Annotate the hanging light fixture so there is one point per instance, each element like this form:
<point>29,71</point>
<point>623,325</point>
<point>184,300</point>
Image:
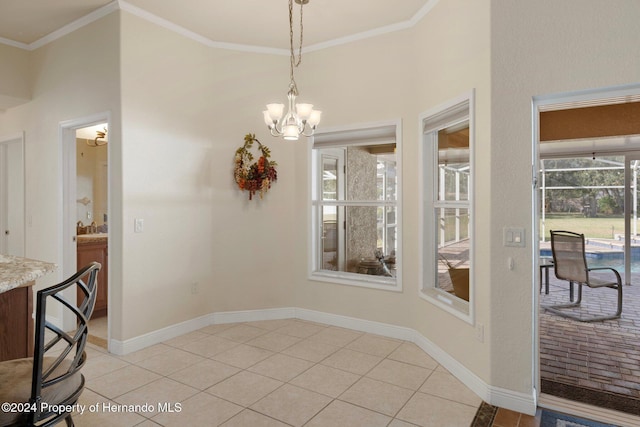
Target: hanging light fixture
<point>96,142</point>
<point>301,119</point>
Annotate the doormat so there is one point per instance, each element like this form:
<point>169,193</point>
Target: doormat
<point>600,398</point>
<point>555,419</point>
<point>485,415</point>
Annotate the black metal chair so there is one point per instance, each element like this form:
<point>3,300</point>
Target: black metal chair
<point>570,264</point>
<point>42,389</point>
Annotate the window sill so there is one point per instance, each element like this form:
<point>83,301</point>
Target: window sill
<point>361,280</point>
<point>449,303</point>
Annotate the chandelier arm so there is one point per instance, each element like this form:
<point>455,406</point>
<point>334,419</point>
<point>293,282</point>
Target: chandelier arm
<point>275,132</point>
<point>310,132</point>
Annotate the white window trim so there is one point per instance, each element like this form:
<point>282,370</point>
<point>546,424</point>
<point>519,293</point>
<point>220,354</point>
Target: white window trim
<point>430,120</point>
<point>368,132</point>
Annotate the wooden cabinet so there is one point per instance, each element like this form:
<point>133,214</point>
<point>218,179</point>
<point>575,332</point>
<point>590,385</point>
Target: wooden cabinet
<point>16,323</point>
<point>96,250</point>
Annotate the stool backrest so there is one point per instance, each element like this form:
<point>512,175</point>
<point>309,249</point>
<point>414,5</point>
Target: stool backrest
<point>60,358</point>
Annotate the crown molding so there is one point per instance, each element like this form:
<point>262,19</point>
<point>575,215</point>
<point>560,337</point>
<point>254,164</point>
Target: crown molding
<point>150,17</point>
<point>75,25</point>
<point>147,16</point>
<point>14,43</point>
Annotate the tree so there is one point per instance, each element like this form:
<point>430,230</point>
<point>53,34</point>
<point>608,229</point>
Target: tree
<point>579,176</point>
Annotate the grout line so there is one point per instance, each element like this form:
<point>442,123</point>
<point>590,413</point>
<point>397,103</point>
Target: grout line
<point>288,382</point>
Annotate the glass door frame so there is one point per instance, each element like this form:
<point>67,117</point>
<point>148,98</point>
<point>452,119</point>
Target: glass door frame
<point>630,208</point>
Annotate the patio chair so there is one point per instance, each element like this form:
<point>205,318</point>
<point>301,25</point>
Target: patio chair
<point>568,249</point>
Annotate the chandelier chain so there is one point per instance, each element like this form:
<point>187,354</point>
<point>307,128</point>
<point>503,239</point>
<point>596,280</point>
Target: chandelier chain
<point>294,62</point>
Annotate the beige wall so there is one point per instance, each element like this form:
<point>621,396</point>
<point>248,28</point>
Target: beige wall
<point>14,81</point>
<point>398,76</point>
<point>75,76</point>
<point>538,48</point>
<point>185,108</point>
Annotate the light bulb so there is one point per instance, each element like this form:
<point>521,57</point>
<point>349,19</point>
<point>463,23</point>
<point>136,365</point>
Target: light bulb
<point>275,111</point>
<point>314,118</point>
<point>267,118</point>
<point>290,132</point>
<point>304,111</point>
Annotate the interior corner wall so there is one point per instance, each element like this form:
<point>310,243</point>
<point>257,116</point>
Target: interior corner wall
<point>14,80</point>
<point>539,48</point>
<point>398,76</point>
<point>72,77</point>
<point>205,246</point>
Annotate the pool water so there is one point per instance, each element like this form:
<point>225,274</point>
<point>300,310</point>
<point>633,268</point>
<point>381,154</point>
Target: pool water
<point>612,260</point>
<point>617,264</point>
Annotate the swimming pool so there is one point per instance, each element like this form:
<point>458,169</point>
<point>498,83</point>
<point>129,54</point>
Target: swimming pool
<point>606,259</point>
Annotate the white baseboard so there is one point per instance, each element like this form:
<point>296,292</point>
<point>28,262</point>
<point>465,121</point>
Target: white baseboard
<point>138,343</point>
<point>515,401</point>
<point>503,398</point>
<point>254,315</point>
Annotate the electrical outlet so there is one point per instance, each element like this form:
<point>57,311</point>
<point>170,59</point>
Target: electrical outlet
<point>138,225</point>
<point>194,288</point>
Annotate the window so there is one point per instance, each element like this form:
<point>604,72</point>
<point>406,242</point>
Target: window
<point>447,146</point>
<point>355,188</point>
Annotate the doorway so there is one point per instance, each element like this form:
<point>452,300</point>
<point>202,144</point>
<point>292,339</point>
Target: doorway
<point>85,144</point>
<point>12,200</point>
<point>587,182</point>
<point>92,229</point>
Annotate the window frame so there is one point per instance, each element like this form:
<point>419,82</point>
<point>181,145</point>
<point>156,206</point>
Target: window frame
<point>362,134</point>
<point>445,115</point>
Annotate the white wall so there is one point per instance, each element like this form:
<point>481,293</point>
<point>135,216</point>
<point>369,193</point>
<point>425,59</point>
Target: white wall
<point>75,76</point>
<point>14,81</point>
<point>186,109</point>
<point>399,75</point>
<point>539,48</point>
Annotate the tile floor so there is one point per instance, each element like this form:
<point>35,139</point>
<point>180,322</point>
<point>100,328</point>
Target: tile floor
<point>275,373</point>
<point>507,418</point>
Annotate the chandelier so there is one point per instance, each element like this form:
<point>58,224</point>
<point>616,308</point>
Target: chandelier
<point>301,119</point>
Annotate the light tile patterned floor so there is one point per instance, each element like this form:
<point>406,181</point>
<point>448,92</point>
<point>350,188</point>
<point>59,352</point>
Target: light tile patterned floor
<point>275,373</point>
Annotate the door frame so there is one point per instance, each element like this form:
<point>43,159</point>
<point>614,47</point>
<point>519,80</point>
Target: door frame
<point>4,141</point>
<point>629,206</point>
<point>68,247</point>
<point>567,100</point>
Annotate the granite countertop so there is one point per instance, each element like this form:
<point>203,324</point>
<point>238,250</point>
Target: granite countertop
<point>16,271</point>
<point>92,238</point>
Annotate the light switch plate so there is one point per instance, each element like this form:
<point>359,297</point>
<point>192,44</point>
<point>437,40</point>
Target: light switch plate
<point>138,225</point>
<point>514,236</point>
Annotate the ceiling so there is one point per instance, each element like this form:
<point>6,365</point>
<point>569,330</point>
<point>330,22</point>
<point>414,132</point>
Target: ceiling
<point>257,23</point>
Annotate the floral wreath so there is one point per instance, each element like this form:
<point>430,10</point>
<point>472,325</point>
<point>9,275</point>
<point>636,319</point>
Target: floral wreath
<point>257,176</point>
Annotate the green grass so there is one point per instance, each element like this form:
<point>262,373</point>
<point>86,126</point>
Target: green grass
<point>604,228</point>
